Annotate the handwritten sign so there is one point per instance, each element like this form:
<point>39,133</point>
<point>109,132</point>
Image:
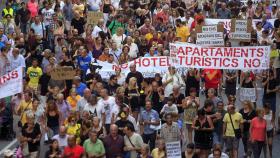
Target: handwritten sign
<point>240,30</point>
<point>63,73</point>
<point>247,94</point>
<point>209,35</point>
<point>93,17</point>
<point>173,150</point>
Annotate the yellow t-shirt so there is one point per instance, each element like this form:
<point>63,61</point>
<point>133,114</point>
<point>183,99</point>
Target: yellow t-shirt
<point>149,36</point>
<point>274,53</point>
<point>157,154</point>
<point>23,108</point>
<point>72,102</point>
<point>236,120</point>
<point>183,32</point>
<point>34,75</point>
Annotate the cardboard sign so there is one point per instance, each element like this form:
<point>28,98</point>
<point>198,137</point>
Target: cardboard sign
<point>93,17</point>
<point>63,73</point>
<point>241,30</point>
<point>11,83</point>
<point>238,58</point>
<point>173,149</point>
<point>210,35</point>
<point>247,94</point>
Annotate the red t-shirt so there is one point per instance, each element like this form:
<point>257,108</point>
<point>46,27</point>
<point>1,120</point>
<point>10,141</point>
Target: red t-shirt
<point>258,129</point>
<point>74,152</point>
<point>212,78</point>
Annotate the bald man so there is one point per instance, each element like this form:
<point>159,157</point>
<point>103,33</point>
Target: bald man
<point>73,150</point>
<point>62,138</point>
<point>113,143</point>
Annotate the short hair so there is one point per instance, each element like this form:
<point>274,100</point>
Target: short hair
<point>112,77</point>
<point>129,127</point>
<point>208,103</point>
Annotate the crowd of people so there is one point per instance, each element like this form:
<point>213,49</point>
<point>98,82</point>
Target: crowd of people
<point>131,115</point>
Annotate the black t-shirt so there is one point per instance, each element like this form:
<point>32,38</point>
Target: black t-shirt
<point>271,85</point>
<point>44,81</point>
<point>22,15</point>
<point>49,153</point>
<point>135,97</point>
<point>78,24</point>
<point>121,124</point>
<point>277,23</point>
<point>157,103</point>
<point>33,135</point>
<point>137,75</point>
<point>247,116</point>
<point>178,100</point>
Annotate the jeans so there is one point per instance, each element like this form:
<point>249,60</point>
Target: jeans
<point>257,148</point>
<point>218,139</point>
<point>151,139</point>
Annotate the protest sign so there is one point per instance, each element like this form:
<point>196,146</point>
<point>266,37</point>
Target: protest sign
<point>209,35</point>
<point>241,30</point>
<point>63,73</point>
<point>11,83</point>
<point>93,17</point>
<point>148,66</point>
<point>247,94</point>
<point>191,55</point>
<point>227,22</point>
<point>173,149</point>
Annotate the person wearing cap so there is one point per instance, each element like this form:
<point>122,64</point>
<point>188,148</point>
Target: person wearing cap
<point>232,122</point>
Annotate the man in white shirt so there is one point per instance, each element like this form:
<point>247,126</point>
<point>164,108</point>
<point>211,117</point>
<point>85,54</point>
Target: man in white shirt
<point>84,100</point>
<point>115,51</point>
<point>133,48</point>
<point>98,28</point>
<point>187,19</point>
<point>39,27</point>
<point>61,138</point>
<point>94,5</point>
<point>47,13</point>
<point>109,109</point>
<point>16,59</point>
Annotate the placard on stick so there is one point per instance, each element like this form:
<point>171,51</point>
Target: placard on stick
<point>93,17</point>
<point>210,35</point>
<point>241,30</point>
<point>63,73</point>
<point>173,149</point>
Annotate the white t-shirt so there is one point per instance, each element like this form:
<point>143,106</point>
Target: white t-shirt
<point>109,107</point>
<point>177,80</point>
<point>47,14</point>
<point>94,110</point>
<point>16,62</point>
<point>94,5</point>
<point>61,141</point>
<point>39,29</point>
<point>133,50</point>
<point>118,40</point>
<point>268,118</point>
<point>169,109</point>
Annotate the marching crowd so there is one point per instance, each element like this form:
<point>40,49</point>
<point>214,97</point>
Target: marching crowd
<point>131,115</point>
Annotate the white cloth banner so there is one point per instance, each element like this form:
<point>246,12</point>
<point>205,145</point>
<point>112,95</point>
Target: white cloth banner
<point>227,22</point>
<point>195,56</point>
<point>173,149</point>
<point>247,94</point>
<point>148,66</point>
<point>11,83</point>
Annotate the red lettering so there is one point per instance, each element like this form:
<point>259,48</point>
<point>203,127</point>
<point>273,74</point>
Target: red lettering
<point>204,52</point>
<point>188,50</point>
<point>247,63</point>
<point>154,61</point>
<point>14,74</point>
<point>237,52</point>
<point>244,52</point>
<point>234,62</point>
<point>253,51</point>
<point>162,62</point>
<point>219,52</point>
<point>196,61</point>
<point>260,52</point>
<point>224,62</point>
<point>147,63</point>
<point>228,51</point>
<point>138,62</point>
<point>196,52</point>
<point>207,62</point>
<point>116,67</point>
<point>215,61</point>
<point>256,62</point>
<point>180,51</point>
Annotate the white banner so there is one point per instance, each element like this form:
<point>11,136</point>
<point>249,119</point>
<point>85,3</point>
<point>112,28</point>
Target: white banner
<point>195,56</point>
<point>173,149</point>
<point>247,94</point>
<point>210,39</point>
<point>11,83</point>
<point>148,66</point>
<point>227,22</point>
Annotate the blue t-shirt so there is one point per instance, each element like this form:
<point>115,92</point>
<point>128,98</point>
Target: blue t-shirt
<point>84,62</point>
<point>80,89</point>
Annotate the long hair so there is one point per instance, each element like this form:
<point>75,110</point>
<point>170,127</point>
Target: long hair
<point>130,84</point>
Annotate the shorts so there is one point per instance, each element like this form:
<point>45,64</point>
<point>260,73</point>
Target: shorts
<point>231,143</point>
<point>269,133</point>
